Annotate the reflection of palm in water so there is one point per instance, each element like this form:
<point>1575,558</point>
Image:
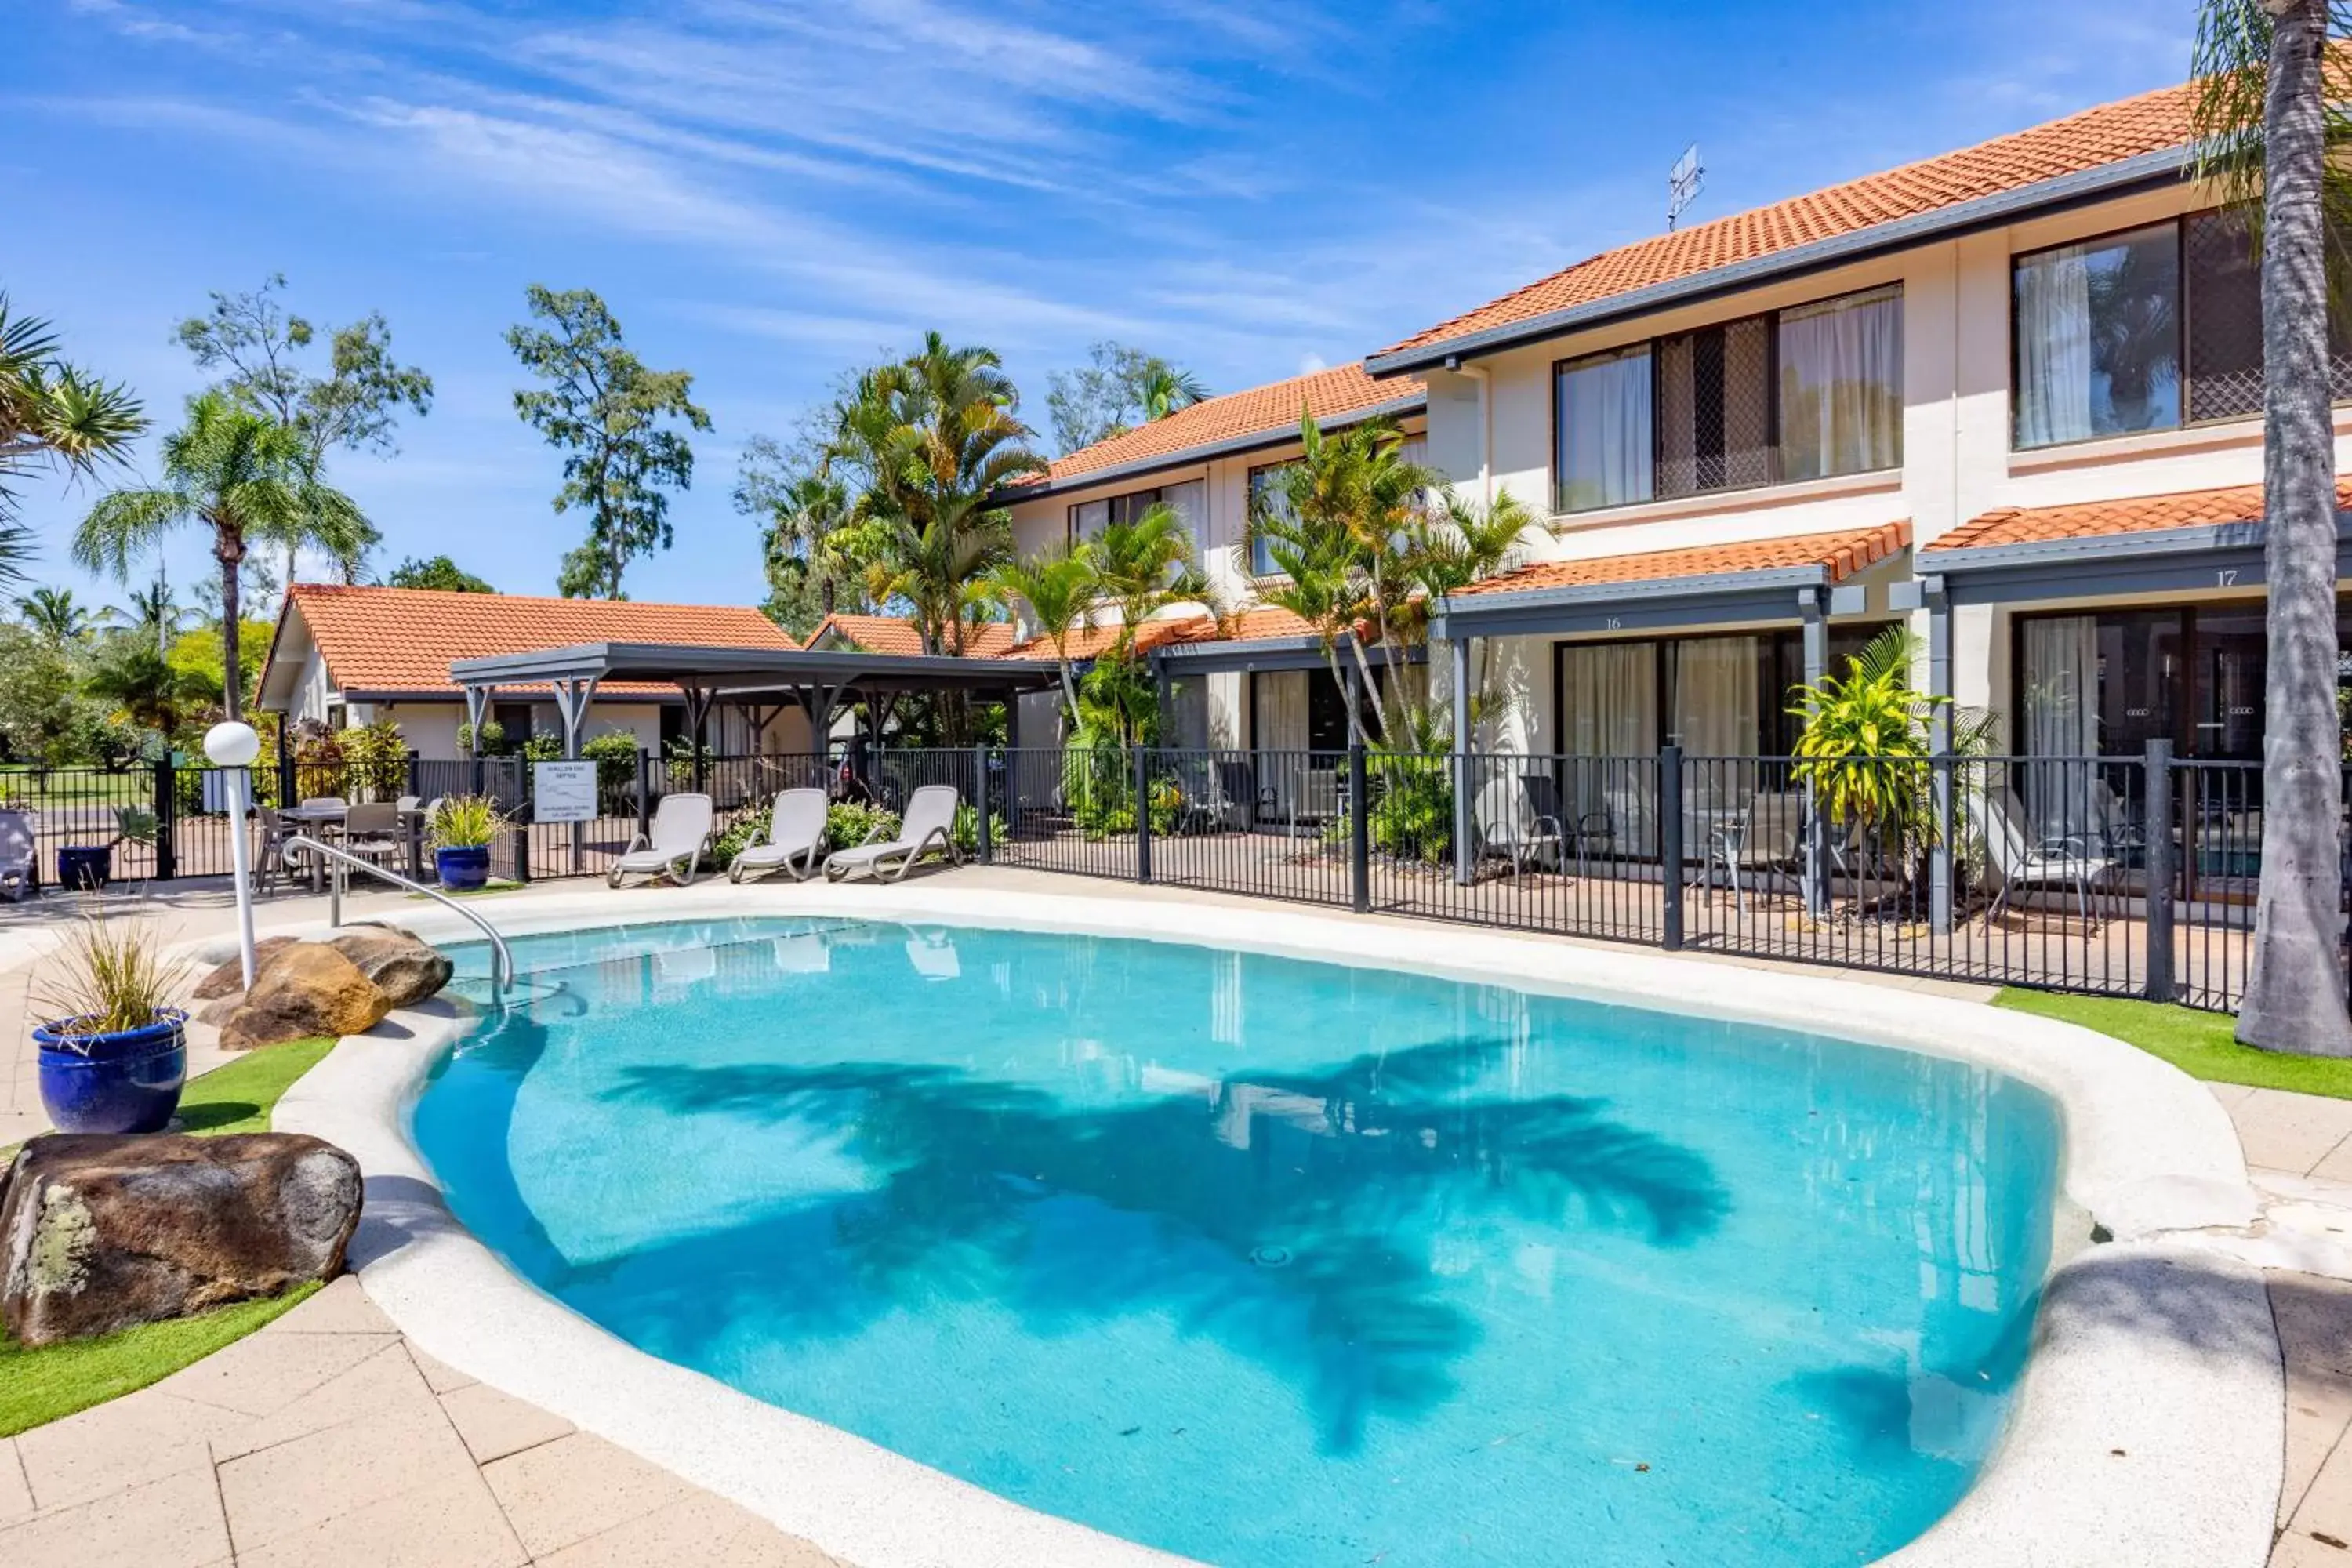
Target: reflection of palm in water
<point>1065,1211</point>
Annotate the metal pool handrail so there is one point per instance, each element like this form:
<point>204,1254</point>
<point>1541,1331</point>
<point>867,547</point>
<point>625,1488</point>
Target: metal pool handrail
<point>502,961</point>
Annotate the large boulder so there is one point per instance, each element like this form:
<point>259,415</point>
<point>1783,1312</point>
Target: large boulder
<point>307,989</point>
<point>99,1233</point>
<point>229,979</point>
<point>403,968</point>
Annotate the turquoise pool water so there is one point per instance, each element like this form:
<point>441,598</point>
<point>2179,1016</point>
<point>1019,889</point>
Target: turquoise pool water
<point>1272,1263</point>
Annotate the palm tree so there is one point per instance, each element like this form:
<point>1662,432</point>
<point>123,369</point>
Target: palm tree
<point>1163,389</point>
<point>1055,591</point>
<point>148,689</point>
<point>53,613</point>
<point>2265,123</point>
<point>1141,565</point>
<point>51,413</point>
<point>802,539</point>
<point>240,474</point>
<point>150,610</point>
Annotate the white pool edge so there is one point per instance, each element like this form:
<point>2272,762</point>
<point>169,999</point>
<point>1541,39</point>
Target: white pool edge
<point>2149,1429</point>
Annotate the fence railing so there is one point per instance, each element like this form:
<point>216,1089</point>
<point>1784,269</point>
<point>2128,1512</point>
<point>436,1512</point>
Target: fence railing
<point>2130,875</point>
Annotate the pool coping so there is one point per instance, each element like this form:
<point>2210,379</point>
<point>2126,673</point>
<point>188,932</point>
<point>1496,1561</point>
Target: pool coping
<point>2149,1429</point>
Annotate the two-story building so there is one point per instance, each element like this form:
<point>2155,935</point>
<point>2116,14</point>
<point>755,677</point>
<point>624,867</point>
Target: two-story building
<point>2012,392</point>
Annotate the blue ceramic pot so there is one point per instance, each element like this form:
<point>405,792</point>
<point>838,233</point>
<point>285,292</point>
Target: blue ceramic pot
<point>126,1081</point>
<point>463,868</point>
<point>85,866</point>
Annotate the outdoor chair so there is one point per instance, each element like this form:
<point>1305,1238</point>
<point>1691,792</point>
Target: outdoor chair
<point>323,802</point>
<point>1207,806</point>
<point>2022,865</point>
<point>372,833</point>
<point>1510,826</point>
<point>928,824</point>
<point>1237,780</point>
<point>680,836</point>
<point>795,838</point>
<point>272,861</point>
<point>1772,840</point>
<point>19,875</point>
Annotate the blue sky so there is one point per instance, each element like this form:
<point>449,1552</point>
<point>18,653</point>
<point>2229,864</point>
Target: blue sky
<point>766,192</point>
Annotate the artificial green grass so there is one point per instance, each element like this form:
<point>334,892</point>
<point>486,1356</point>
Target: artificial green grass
<point>2200,1044</point>
<point>41,1385</point>
<point>37,1386</point>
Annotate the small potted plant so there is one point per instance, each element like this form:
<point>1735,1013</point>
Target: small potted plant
<point>463,831</point>
<point>115,1052</point>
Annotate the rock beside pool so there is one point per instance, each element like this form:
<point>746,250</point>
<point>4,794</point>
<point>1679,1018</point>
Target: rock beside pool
<point>229,978</point>
<point>101,1232</point>
<point>305,990</point>
<point>405,970</point>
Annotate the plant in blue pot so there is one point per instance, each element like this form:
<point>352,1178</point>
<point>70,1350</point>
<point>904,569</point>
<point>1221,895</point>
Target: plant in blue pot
<point>114,1050</point>
<point>463,828</point>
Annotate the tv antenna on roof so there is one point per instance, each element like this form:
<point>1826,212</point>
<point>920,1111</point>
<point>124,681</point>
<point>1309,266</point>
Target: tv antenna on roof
<point>1683,183</point>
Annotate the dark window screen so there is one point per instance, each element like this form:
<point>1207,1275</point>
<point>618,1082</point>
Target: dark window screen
<point>1715,408</point>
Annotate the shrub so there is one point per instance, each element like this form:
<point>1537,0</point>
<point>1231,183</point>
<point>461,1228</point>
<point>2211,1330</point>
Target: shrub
<point>847,823</point>
<point>493,736</point>
<point>375,761</point>
<point>967,829</point>
<point>466,822</point>
<point>614,752</point>
<point>543,747</point>
<point>1412,812</point>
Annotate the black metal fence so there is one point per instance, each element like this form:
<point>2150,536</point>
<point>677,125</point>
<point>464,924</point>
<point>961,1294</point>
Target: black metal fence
<point>2119,875</point>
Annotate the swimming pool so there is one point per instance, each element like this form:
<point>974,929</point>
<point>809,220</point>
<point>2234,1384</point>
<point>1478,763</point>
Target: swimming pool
<point>1266,1262</point>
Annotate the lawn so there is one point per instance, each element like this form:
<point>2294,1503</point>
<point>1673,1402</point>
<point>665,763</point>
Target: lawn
<point>41,1385</point>
<point>2198,1043</point>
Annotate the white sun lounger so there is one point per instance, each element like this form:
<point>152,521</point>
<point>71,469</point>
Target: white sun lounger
<point>681,833</point>
<point>929,823</point>
<point>17,855</point>
<point>795,838</point>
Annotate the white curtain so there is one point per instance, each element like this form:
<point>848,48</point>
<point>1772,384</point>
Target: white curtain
<point>1715,696</point>
<point>1281,718</point>
<point>1087,518</point>
<point>2062,687</point>
<point>1607,452</point>
<point>2053,347</point>
<point>1190,501</point>
<point>1609,709</point>
<point>1842,386</point>
<point>1188,721</point>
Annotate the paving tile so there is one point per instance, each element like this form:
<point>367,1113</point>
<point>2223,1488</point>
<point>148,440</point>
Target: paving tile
<point>2336,1166</point>
<point>263,1374</point>
<point>703,1529</point>
<point>2298,1551</point>
<point>174,1522</point>
<point>2314,1328</point>
<point>343,1308</point>
<point>452,1521</point>
<point>300,1484</point>
<point>576,1487</point>
<point>382,1387</point>
<point>16,1492</point>
<point>2290,1131</point>
<point>495,1424</point>
<point>140,1437</point>
<point>2230,1093</point>
<point>2326,1506</point>
<point>439,1376</point>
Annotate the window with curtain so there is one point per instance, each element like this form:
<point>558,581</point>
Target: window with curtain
<point>1609,709</point>
<point>1089,517</point>
<point>2062,686</point>
<point>1279,710</point>
<point>1266,494</point>
<point>1606,449</point>
<point>1716,683</point>
<point>2098,338</point>
<point>1842,386</point>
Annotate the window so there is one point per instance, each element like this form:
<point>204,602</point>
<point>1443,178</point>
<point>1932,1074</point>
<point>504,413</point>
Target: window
<point>1089,517</point>
<point>1265,498</point>
<point>1790,394</point>
<point>2098,338</point>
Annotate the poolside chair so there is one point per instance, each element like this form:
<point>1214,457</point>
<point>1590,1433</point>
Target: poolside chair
<point>18,858</point>
<point>680,838</point>
<point>1773,840</point>
<point>2020,864</point>
<point>795,838</point>
<point>928,824</point>
<point>372,833</point>
<point>1510,824</point>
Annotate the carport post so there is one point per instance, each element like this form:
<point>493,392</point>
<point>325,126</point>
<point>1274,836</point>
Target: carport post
<point>1465,852</point>
<point>1816,839</point>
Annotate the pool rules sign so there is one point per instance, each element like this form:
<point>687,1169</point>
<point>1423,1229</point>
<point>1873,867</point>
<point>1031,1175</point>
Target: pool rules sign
<point>564,792</point>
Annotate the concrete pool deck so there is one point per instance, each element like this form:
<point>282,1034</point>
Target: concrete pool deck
<point>2314,1317</point>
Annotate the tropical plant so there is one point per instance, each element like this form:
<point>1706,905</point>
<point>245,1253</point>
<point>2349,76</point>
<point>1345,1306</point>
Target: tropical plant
<point>53,613</point>
<point>2268,118</point>
<point>804,512</point>
<point>489,732</point>
<point>543,746</point>
<point>614,752</point>
<point>436,572</point>
<point>609,413</point>
<point>354,408</point>
<point>1117,388</point>
<point>1054,592</point>
<point>466,822</point>
<point>236,473</point>
<point>148,689</point>
<point>375,759</point>
<point>106,978</point>
<point>849,823</point>
<point>53,415</point>
<point>152,611</point>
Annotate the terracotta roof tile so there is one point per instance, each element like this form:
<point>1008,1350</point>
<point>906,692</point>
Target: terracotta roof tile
<point>1843,553</point>
<point>2137,515</point>
<point>2110,134</point>
<point>404,639</point>
<point>897,635</point>
<point>1251,625</point>
<point>1256,411</point>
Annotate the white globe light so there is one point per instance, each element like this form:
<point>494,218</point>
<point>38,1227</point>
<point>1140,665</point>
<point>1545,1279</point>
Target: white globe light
<point>232,746</point>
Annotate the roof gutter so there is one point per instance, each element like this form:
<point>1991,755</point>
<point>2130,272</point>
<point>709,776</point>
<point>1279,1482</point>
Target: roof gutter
<point>2125,176</point>
<point>1253,441</point>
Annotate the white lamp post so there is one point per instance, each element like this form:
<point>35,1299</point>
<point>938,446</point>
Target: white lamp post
<point>234,746</point>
